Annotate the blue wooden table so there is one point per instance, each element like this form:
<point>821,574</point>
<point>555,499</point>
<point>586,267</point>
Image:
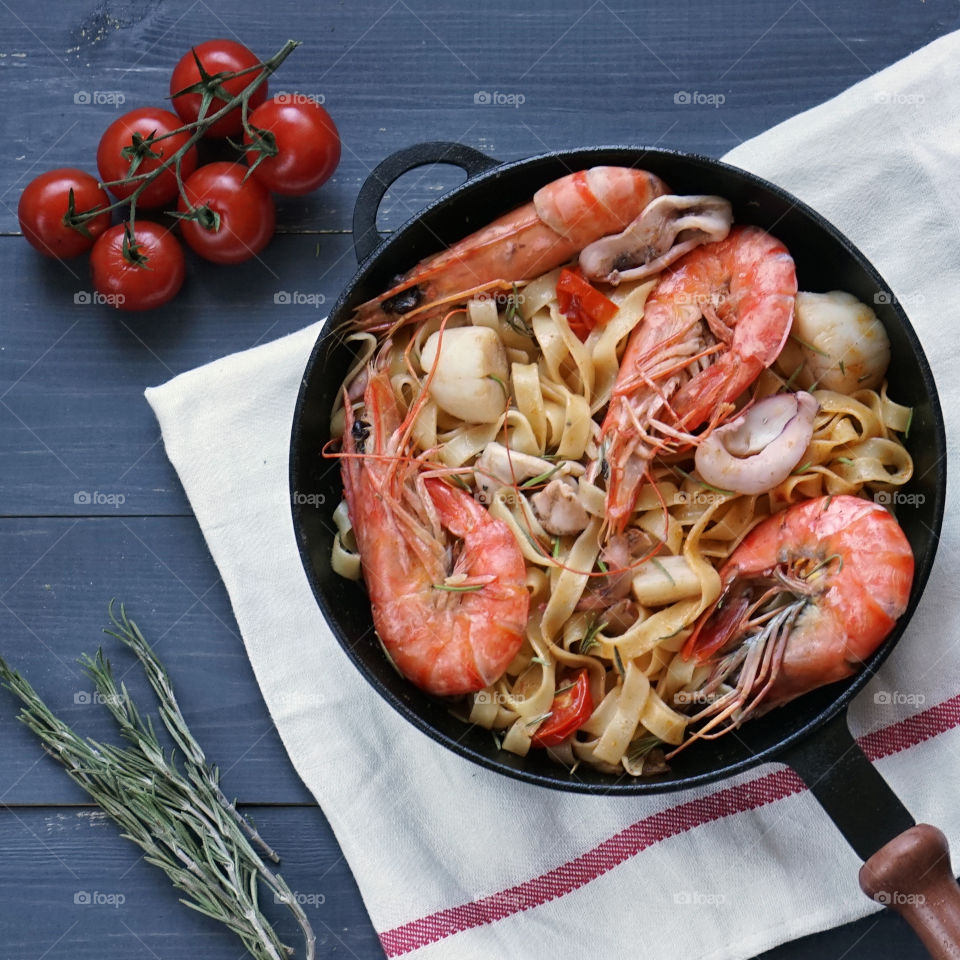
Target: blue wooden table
<point>73,422</point>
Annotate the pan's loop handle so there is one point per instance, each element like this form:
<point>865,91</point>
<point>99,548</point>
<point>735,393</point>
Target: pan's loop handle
<point>911,874</point>
<point>365,235</point>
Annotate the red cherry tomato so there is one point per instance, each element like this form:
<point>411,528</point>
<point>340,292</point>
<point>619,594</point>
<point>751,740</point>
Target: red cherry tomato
<point>142,277</point>
<point>569,712</point>
<point>236,213</point>
<point>119,148</point>
<point>217,56</point>
<point>306,141</point>
<point>584,306</point>
<point>44,205</point>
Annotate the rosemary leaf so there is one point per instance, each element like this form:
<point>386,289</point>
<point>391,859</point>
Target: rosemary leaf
<point>619,662</point>
<point>172,808</point>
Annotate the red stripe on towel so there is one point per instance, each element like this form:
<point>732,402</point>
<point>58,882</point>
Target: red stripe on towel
<point>645,833</point>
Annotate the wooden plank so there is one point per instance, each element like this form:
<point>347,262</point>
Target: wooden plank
<point>72,413</point>
<point>73,887</point>
<point>56,856</point>
<point>58,576</point>
<point>393,73</point>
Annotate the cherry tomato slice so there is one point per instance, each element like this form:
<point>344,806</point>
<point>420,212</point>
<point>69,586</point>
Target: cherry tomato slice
<point>584,306</point>
<point>569,713</point>
<point>44,205</point>
<point>216,56</point>
<point>140,279</point>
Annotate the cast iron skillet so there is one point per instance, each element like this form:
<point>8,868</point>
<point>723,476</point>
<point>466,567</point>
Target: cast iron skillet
<point>810,734</point>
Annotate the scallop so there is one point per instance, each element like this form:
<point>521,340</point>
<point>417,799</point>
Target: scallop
<point>470,375</point>
<point>836,342</point>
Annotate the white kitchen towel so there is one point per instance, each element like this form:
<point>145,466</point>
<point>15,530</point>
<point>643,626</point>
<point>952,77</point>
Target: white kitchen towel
<point>454,861</point>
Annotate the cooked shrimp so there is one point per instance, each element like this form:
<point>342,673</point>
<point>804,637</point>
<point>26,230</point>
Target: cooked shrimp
<point>807,597</point>
<point>710,326</point>
<point>563,218</point>
<point>447,581</point>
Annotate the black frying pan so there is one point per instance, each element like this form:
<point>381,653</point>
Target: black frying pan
<point>810,734</point>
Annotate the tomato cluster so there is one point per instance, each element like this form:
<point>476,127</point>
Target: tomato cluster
<point>148,159</point>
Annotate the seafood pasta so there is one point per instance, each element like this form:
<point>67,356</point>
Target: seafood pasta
<point>611,481</point>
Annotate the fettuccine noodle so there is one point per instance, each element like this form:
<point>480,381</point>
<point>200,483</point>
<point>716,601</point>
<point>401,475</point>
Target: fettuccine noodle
<point>556,385</point>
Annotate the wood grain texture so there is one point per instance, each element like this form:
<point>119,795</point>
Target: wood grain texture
<point>73,887</point>
<point>72,416</point>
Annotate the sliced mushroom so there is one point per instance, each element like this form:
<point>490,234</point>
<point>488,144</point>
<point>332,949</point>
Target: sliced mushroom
<point>559,510</point>
<point>669,227</point>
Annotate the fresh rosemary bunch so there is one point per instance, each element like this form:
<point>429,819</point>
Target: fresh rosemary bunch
<point>173,808</point>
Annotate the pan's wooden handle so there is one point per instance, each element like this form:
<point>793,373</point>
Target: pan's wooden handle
<point>911,874</point>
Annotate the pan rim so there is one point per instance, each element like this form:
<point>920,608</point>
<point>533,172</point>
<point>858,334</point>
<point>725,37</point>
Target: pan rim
<point>623,785</point>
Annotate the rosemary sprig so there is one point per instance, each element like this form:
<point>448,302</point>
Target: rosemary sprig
<point>513,318</point>
<point>590,640</point>
<point>540,477</point>
<point>172,808</point>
